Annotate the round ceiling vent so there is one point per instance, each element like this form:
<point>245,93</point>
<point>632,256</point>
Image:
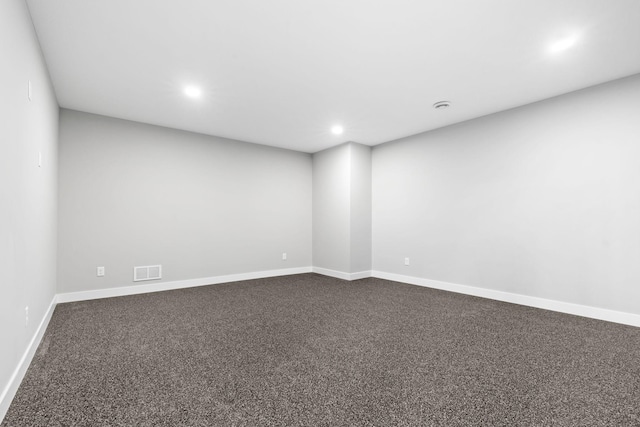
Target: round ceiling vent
<point>442,105</point>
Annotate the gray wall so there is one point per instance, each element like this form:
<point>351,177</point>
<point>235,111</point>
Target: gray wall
<point>360,208</point>
<point>342,208</point>
<point>542,200</point>
<point>331,209</point>
<point>135,194</point>
<point>27,192</point>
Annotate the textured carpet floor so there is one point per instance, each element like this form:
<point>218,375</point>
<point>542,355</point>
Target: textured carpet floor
<point>309,350</point>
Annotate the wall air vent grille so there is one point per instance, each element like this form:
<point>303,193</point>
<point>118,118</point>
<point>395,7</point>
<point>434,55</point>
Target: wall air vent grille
<point>147,272</point>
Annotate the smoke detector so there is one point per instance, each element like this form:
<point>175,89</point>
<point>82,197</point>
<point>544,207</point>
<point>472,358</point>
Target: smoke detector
<point>442,105</point>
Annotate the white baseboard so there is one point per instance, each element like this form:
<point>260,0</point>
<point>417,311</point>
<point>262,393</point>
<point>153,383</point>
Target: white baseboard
<point>341,274</point>
<point>11,388</point>
<point>360,275</point>
<point>547,304</point>
<point>178,284</point>
<point>331,273</point>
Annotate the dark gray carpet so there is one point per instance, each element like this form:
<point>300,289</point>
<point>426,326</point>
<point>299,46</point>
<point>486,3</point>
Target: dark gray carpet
<point>309,350</point>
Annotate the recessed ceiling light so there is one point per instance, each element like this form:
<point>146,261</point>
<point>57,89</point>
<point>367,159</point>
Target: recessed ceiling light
<point>193,91</point>
<point>442,105</point>
<point>337,130</point>
<point>563,44</point>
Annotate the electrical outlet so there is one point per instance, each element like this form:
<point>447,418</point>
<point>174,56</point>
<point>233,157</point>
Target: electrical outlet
<point>26,316</point>
<point>100,271</point>
<point>406,261</point>
<point>284,256</point>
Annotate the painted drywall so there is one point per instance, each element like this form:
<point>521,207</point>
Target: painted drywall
<point>360,199</point>
<point>542,200</point>
<point>27,191</point>
<point>331,209</point>
<point>342,209</point>
<point>133,194</point>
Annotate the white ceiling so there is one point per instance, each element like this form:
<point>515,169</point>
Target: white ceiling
<point>283,72</point>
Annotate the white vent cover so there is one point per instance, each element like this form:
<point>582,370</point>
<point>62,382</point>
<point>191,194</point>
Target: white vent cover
<point>147,272</point>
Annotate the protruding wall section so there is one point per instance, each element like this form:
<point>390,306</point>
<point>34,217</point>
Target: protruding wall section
<point>342,211</point>
<point>331,209</point>
<point>360,218</point>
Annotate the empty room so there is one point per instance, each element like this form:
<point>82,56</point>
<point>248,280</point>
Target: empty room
<point>319,213</point>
